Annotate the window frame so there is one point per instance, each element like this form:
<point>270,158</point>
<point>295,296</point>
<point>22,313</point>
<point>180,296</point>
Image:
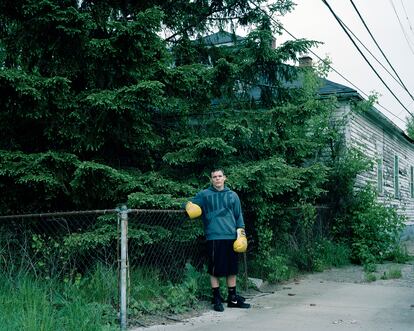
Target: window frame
<point>396,176</point>
<point>380,175</point>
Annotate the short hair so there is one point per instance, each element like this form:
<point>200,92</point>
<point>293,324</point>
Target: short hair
<point>217,169</point>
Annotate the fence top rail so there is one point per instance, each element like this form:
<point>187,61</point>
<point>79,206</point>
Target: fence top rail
<point>155,211</point>
<point>65,213</point>
<point>91,212</point>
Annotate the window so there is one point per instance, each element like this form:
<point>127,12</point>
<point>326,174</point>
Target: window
<point>380,176</point>
<point>412,181</point>
<point>396,179</point>
<point>379,146</point>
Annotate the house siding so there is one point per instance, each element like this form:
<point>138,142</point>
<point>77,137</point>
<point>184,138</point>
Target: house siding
<point>368,133</point>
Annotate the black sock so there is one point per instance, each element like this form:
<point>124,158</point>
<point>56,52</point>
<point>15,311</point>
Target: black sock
<point>232,292</point>
<point>216,292</point>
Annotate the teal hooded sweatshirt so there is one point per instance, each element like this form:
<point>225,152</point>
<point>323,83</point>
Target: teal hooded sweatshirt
<point>222,213</point>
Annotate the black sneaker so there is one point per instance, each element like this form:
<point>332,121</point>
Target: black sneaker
<point>217,305</point>
<point>237,298</point>
<point>237,302</point>
<point>221,299</point>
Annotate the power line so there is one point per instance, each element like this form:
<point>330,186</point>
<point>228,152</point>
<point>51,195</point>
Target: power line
<point>330,66</point>
<point>365,58</point>
<point>402,27</point>
<point>374,57</point>
<point>380,49</point>
<point>406,16</point>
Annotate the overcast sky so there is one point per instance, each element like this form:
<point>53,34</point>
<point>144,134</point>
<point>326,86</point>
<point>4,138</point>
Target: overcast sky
<point>311,19</point>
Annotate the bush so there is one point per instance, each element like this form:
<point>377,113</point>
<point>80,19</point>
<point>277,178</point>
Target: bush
<point>273,267</point>
<point>371,229</point>
<point>370,277</point>
<point>392,273</point>
<point>283,264</point>
<point>375,228</point>
<point>322,254</point>
<point>330,254</point>
<point>150,293</point>
<point>399,254</point>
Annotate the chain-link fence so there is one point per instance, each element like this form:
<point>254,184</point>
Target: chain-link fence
<point>156,269</point>
<point>59,270</point>
<point>58,245</point>
<point>164,241</point>
<point>166,265</point>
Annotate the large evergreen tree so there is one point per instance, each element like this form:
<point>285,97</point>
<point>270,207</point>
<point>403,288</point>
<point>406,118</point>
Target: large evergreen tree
<point>110,101</point>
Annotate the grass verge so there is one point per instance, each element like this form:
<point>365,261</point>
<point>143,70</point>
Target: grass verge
<point>31,304</point>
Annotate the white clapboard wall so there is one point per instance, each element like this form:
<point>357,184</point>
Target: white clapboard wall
<point>380,139</point>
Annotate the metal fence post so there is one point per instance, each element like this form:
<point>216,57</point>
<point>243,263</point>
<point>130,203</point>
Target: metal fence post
<point>124,266</point>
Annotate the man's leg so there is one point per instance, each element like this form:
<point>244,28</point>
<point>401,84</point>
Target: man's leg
<point>214,281</point>
<point>231,287</point>
<point>234,300</point>
<point>215,286</point>
<point>231,281</point>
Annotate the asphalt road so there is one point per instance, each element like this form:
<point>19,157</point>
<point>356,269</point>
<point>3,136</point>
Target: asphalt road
<point>334,300</point>
<point>337,299</point>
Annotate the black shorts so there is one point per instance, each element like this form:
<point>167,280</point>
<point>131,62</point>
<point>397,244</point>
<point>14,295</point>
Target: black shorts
<point>222,259</point>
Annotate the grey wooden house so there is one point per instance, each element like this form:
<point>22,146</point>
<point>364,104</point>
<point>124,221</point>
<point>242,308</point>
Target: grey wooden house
<point>390,149</point>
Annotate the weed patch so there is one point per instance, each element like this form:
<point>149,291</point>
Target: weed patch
<point>49,304</point>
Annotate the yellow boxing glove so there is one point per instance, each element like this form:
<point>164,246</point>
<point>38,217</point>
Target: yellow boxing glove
<point>240,244</point>
<point>193,210</point>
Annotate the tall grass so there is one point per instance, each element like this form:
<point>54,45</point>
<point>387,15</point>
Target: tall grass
<point>31,304</point>
<point>89,303</point>
<point>286,261</point>
<point>151,294</point>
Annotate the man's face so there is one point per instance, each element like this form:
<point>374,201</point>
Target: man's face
<point>218,179</point>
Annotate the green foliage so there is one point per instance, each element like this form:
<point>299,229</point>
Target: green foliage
<point>154,201</point>
<point>399,254</point>
<point>269,177</point>
<point>319,255</point>
<point>283,263</point>
<point>410,127</point>
<point>375,228</point>
<point>392,273</point>
<point>24,176</point>
<point>345,165</point>
<point>36,304</point>
<point>370,228</point>
<point>329,254</point>
<point>150,293</point>
<point>273,267</point>
<point>370,277</point>
<point>98,177</point>
<point>130,117</point>
<point>102,236</point>
<point>122,102</point>
<point>370,267</point>
<point>194,150</point>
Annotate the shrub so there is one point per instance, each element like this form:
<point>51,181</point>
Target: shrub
<point>150,293</point>
<point>375,228</point>
<point>370,277</point>
<point>330,254</point>
<point>399,254</point>
<point>274,268</point>
<point>392,273</point>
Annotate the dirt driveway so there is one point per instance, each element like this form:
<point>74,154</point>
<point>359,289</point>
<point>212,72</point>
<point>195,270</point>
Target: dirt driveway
<point>337,299</point>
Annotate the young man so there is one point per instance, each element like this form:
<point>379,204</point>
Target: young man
<point>222,216</point>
